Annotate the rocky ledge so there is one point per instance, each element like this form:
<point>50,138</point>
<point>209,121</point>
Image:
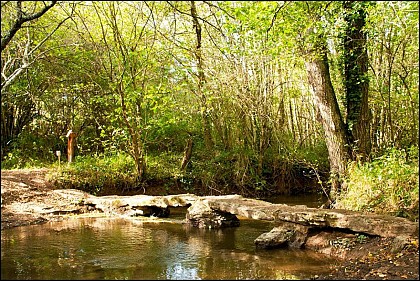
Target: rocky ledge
<point>297,226</point>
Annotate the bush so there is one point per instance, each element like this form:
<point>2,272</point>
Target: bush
<point>387,185</point>
<point>32,151</point>
<point>95,174</point>
<point>163,166</point>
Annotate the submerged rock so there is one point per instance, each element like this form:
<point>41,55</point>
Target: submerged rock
<point>286,235</point>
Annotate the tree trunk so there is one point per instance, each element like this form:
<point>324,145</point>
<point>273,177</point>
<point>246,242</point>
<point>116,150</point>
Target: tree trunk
<point>327,106</point>
<point>135,134</point>
<point>201,80</point>
<point>71,145</point>
<point>15,115</point>
<point>356,80</point>
<point>187,154</point>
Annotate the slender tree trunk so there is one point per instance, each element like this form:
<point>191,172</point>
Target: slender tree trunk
<point>327,106</point>
<point>383,128</point>
<point>136,144</point>
<point>187,154</point>
<point>292,123</point>
<point>201,79</point>
<point>71,145</point>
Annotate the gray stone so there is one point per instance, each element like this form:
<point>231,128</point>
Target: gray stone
<point>399,243</point>
<point>138,205</point>
<point>202,216</point>
<point>286,235</point>
<point>370,224</point>
<point>274,239</point>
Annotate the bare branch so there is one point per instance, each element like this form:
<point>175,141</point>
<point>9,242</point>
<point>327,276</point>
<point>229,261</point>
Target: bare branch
<point>21,18</point>
<point>26,63</point>
<point>188,14</point>
<point>218,7</point>
<point>275,16</point>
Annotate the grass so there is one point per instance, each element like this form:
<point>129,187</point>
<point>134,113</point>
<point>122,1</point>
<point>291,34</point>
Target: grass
<point>94,173</point>
<point>387,185</point>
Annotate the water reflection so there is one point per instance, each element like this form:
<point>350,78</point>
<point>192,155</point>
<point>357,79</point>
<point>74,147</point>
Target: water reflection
<point>105,248</point>
<point>178,271</point>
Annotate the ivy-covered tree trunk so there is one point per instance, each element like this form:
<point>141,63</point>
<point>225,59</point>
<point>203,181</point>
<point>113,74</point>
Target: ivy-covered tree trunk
<point>327,108</point>
<point>187,154</point>
<point>356,80</point>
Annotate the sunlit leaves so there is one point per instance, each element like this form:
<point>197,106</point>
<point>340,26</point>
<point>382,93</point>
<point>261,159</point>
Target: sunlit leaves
<point>256,92</point>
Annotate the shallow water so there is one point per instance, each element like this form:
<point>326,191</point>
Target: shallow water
<point>110,248</point>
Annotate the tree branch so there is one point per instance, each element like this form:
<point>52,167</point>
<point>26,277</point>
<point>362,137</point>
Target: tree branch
<point>187,14</point>
<point>275,16</point>
<point>26,55</point>
<point>21,19</point>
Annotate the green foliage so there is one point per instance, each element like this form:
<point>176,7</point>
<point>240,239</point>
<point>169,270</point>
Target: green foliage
<point>216,173</point>
<point>95,174</point>
<point>395,73</point>
<point>361,238</point>
<point>163,165</point>
<point>30,150</point>
<point>261,115</point>
<point>388,184</point>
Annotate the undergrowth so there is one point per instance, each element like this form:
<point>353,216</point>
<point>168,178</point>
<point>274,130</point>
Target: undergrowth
<point>94,173</point>
<point>389,184</point>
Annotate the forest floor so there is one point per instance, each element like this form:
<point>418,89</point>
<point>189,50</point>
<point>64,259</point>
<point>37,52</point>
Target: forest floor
<point>374,259</point>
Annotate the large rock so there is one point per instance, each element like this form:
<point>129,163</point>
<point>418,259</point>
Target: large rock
<point>202,216</point>
<point>285,235</point>
<point>371,224</point>
<point>276,238</point>
<point>139,205</point>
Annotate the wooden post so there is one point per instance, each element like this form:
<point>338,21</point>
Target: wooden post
<point>71,143</point>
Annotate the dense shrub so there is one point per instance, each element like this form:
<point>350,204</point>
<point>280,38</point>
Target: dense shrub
<point>32,151</point>
<point>388,184</point>
<point>94,174</point>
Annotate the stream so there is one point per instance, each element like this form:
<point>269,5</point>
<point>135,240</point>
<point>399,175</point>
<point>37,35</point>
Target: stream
<point>149,248</point>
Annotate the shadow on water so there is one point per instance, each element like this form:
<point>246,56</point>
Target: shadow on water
<point>105,248</point>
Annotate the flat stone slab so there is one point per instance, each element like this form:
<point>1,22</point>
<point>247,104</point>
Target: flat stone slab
<point>139,205</point>
<point>181,200</point>
<point>371,224</point>
<point>72,200</point>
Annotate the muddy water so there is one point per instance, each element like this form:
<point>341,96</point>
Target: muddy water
<point>109,248</point>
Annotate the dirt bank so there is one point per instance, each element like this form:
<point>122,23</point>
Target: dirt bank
<point>24,192</point>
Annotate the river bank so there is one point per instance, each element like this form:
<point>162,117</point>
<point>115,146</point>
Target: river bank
<point>26,191</point>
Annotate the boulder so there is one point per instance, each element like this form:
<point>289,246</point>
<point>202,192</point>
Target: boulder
<point>138,205</point>
<point>285,235</point>
<point>200,215</point>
